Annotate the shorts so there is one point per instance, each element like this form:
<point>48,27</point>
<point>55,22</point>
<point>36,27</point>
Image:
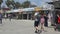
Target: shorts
<point>36,23</point>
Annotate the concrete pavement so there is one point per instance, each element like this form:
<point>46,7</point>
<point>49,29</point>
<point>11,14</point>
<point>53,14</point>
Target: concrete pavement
<point>21,27</point>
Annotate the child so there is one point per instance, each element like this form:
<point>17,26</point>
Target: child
<point>42,20</point>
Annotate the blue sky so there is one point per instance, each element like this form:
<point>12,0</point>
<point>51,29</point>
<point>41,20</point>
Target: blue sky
<point>37,2</point>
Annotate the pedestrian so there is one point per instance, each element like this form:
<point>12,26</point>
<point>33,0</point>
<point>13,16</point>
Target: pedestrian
<point>56,22</point>
<point>46,21</point>
<point>10,17</point>
<point>5,17</point>
<point>42,20</point>
<point>36,23</point>
<point>1,18</point>
<point>57,27</point>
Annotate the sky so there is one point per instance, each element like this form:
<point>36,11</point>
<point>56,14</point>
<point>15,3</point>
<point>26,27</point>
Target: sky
<point>36,2</point>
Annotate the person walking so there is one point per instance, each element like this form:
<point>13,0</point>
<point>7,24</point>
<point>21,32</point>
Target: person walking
<point>0,18</point>
<point>56,22</point>
<point>46,21</point>
<point>57,27</point>
<point>5,17</point>
<point>10,16</point>
<point>42,21</point>
<point>36,23</point>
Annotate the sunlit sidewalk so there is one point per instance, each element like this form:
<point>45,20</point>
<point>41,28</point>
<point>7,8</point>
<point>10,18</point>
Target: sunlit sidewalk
<point>22,27</point>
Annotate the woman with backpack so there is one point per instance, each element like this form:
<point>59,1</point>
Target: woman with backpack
<point>36,23</point>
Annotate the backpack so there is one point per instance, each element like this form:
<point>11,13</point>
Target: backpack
<point>37,18</point>
<point>59,19</point>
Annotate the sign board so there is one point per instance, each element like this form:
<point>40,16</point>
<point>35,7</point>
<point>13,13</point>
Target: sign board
<point>37,9</point>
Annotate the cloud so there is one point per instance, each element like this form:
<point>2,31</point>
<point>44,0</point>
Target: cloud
<point>33,3</point>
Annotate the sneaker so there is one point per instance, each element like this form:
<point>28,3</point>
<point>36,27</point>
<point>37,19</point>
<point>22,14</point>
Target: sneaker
<point>55,29</point>
<point>36,31</point>
<point>40,31</point>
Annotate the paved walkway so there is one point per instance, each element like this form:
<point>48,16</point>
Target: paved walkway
<point>21,27</point>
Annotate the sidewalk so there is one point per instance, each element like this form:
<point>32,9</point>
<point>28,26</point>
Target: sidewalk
<point>21,27</point>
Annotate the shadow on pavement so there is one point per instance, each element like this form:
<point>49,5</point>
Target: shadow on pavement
<point>50,26</point>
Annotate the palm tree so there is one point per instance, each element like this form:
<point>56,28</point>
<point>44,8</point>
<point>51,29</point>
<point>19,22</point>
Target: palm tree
<point>10,3</point>
<point>13,4</point>
<point>17,5</point>
<point>0,3</point>
<point>26,4</point>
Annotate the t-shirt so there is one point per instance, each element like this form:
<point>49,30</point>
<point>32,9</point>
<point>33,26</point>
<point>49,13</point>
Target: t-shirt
<point>59,20</point>
<point>37,18</point>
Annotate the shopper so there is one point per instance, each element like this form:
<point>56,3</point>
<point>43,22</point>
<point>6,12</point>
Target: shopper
<point>36,23</point>
<point>42,21</point>
<point>46,21</point>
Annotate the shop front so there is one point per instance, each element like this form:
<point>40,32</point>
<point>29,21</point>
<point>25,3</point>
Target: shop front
<point>25,15</point>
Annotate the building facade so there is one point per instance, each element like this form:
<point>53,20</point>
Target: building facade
<point>56,11</point>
